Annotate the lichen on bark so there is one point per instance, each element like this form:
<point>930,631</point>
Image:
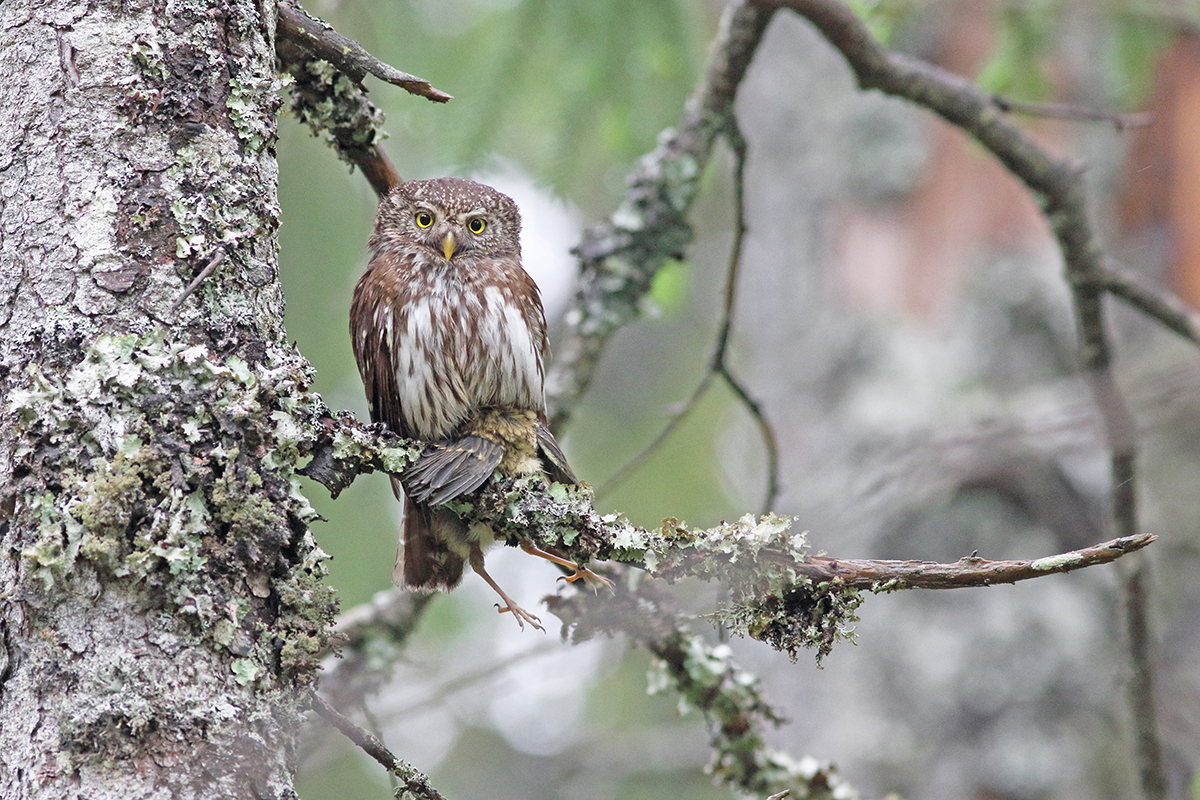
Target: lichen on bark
<point>161,602</point>
<point>178,494</point>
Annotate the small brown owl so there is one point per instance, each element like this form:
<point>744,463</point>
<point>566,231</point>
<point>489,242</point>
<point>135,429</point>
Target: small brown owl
<point>449,336</point>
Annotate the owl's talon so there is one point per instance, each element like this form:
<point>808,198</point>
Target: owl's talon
<point>589,578</point>
<point>522,616</point>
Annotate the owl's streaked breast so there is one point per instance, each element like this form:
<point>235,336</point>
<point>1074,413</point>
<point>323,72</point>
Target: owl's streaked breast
<point>457,348</point>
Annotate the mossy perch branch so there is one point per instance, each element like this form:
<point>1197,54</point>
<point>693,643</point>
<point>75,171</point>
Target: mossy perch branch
<point>781,593</point>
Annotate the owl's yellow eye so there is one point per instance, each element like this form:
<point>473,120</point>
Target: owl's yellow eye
<point>476,225</point>
<point>423,219</point>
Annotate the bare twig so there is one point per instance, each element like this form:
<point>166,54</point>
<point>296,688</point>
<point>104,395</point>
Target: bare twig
<point>971,570</point>
<point>1059,186</point>
<point>632,465</point>
<point>208,270</point>
<point>321,41</point>
<point>619,260</point>
<point>718,364</point>
<point>765,430</point>
<point>1170,311</point>
<point>720,361</point>
<point>416,785</point>
<point>1121,122</point>
<point>1141,682</point>
<point>460,682</point>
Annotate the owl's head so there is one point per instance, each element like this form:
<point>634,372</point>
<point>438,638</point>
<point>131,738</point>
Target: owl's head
<point>452,217</point>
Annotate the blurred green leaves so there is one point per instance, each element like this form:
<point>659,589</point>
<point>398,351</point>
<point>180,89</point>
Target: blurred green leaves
<point>1024,34</point>
<point>566,89</point>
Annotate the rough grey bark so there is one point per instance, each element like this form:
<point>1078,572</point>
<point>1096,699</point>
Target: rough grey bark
<point>160,593</point>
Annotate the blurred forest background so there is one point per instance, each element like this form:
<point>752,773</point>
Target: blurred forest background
<point>901,317</point>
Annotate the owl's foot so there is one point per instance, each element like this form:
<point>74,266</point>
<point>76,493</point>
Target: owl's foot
<point>589,578</point>
<point>581,573</point>
<point>521,615</point>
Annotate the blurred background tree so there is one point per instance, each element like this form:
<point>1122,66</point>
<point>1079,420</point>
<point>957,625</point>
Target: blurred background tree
<point>902,319</point>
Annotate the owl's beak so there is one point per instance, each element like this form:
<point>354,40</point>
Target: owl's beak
<point>448,245</point>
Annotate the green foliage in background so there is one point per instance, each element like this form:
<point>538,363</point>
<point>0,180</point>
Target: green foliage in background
<point>572,91</point>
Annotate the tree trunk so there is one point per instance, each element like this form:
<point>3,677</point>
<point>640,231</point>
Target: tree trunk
<point>160,593</point>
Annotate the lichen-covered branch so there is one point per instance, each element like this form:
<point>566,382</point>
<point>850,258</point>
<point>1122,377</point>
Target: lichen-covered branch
<point>707,678</point>
<point>327,71</point>
<point>780,593</point>
<point>321,41</point>
<point>618,261</point>
<point>414,784</point>
<point>343,448</point>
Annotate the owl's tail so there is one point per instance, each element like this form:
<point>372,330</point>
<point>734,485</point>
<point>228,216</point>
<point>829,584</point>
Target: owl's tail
<point>430,541</point>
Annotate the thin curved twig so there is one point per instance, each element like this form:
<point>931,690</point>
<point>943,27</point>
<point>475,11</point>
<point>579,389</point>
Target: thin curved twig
<point>765,431</point>
<point>1122,122</point>
<point>632,465</point>
<point>720,361</point>
<point>718,365</point>
<point>416,784</point>
<point>618,261</point>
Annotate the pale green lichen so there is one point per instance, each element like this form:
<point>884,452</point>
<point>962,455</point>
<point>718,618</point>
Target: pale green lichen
<point>707,679</point>
<point>1058,562</point>
<point>758,558</point>
<point>218,203</point>
<point>127,501</point>
<point>148,55</point>
<point>251,104</point>
<point>335,108</point>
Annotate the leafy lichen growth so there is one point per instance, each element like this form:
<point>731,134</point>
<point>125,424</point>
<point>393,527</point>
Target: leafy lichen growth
<point>218,204</point>
<point>760,559</point>
<point>252,102</point>
<point>708,680</point>
<point>335,108</point>
<point>183,484</point>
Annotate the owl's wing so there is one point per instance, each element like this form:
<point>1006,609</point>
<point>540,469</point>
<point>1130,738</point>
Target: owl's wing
<point>446,471</point>
<point>554,462</point>
<point>372,350</point>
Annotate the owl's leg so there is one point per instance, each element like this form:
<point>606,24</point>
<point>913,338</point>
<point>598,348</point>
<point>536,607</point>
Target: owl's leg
<point>522,616</point>
<point>589,577</point>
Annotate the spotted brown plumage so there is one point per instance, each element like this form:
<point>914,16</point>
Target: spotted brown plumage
<point>450,338</point>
